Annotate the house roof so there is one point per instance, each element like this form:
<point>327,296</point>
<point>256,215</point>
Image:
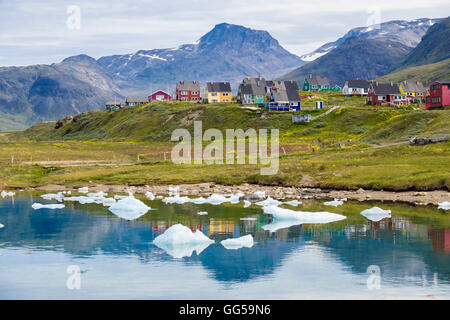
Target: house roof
<point>410,86</point>
<point>317,80</point>
<point>159,91</point>
<point>443,82</point>
<point>283,91</point>
<point>385,88</point>
<point>188,85</point>
<point>137,100</point>
<point>253,86</point>
<point>218,86</point>
<point>113,103</point>
<point>356,83</point>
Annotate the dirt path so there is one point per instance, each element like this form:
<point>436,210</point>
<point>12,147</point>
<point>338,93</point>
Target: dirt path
<point>325,113</point>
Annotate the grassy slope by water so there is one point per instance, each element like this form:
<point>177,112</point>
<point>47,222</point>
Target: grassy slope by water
<point>349,148</point>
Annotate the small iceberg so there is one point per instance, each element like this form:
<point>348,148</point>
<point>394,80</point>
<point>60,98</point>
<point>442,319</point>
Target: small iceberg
<point>248,219</point>
<point>302,216</point>
<point>53,196</point>
<point>179,241</point>
<point>335,202</point>
<point>129,208</point>
<point>83,190</point>
<point>293,203</point>
<point>444,205</point>
<point>5,194</point>
<point>202,213</point>
<point>280,224</point>
<point>150,195</point>
<point>1,226</point>
<point>268,202</point>
<point>117,197</point>
<point>238,243</point>
<point>260,194</point>
<point>376,214</point>
<point>97,195</point>
<point>37,206</point>
<point>247,203</point>
<point>173,191</point>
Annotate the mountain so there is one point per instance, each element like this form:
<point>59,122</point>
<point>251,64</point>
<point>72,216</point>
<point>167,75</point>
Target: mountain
<point>434,47</point>
<point>42,92</point>
<point>426,73</point>
<point>227,53</point>
<point>355,58</point>
<point>406,32</point>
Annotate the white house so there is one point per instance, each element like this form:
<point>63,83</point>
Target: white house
<point>356,87</point>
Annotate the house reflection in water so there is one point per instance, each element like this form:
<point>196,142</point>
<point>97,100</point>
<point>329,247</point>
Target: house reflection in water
<point>440,239</point>
<point>221,227</point>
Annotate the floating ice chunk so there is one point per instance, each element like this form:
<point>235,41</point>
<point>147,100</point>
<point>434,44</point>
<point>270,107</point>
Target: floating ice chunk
<point>376,214</point>
<point>96,195</point>
<point>268,202</point>
<point>248,219</point>
<point>53,196</point>
<point>1,226</point>
<point>444,205</point>
<point>5,194</point>
<point>83,190</point>
<point>260,194</point>
<point>200,200</point>
<point>37,206</point>
<point>108,202</point>
<point>179,241</point>
<point>159,197</point>
<point>150,195</point>
<point>302,216</point>
<point>173,191</point>
<point>234,198</point>
<point>117,197</point>
<point>247,203</point>
<point>280,224</point>
<point>293,203</point>
<point>237,243</point>
<point>202,213</point>
<point>335,202</point>
<point>176,199</point>
<point>129,208</point>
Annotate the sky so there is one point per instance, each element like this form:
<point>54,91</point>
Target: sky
<point>47,31</point>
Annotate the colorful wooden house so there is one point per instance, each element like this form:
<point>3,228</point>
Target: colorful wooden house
<point>253,90</point>
<point>133,102</point>
<point>188,91</point>
<point>283,96</point>
<point>356,87</point>
<point>218,92</point>
<point>414,91</point>
<point>159,95</point>
<point>385,94</point>
<point>439,95</point>
<point>316,83</point>
<point>114,105</point>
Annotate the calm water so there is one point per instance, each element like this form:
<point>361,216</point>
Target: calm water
<point>117,259</point>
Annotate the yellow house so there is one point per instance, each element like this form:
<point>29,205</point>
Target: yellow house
<point>218,92</point>
<point>412,89</point>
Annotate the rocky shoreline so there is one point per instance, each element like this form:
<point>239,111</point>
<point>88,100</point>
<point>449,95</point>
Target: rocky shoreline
<point>206,189</point>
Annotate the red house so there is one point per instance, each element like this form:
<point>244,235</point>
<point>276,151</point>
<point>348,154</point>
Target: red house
<point>188,91</point>
<point>439,95</point>
<point>159,96</point>
<point>385,94</point>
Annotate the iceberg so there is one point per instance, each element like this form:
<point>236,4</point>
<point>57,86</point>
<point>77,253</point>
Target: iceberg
<point>202,213</point>
<point>179,241</point>
<point>176,199</point>
<point>83,190</point>
<point>335,202</point>
<point>293,203</point>
<point>302,216</point>
<point>5,194</point>
<point>444,205</point>
<point>117,197</point>
<point>260,194</point>
<point>37,206</point>
<point>238,243</point>
<point>53,196</point>
<point>280,224</point>
<point>248,219</point>
<point>129,208</point>
<point>150,195</point>
<point>173,191</point>
<point>1,226</point>
<point>96,195</point>
<point>247,203</point>
<point>376,214</point>
<point>159,197</point>
<point>268,202</point>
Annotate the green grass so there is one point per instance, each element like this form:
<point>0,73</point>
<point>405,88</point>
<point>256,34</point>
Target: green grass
<point>349,148</point>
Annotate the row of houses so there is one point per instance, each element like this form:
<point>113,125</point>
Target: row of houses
<point>405,92</point>
<point>274,95</point>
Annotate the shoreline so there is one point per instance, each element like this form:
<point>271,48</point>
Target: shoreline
<point>422,198</point>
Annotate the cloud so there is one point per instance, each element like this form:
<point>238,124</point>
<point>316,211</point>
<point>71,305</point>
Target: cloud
<point>111,27</point>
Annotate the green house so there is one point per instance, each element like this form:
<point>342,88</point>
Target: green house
<point>316,83</point>
<point>336,88</point>
<point>253,90</point>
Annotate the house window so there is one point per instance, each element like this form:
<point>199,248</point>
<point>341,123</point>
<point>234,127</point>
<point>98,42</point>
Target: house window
<point>214,94</point>
<point>436,86</point>
<point>194,92</point>
<point>195,98</point>
<point>225,100</point>
<point>225,94</point>
<point>436,100</point>
<point>214,100</point>
<point>184,93</point>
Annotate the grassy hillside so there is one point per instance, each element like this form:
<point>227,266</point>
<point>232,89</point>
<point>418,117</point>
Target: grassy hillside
<point>348,148</point>
<point>425,73</point>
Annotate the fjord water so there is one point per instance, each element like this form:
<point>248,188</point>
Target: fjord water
<point>406,256</point>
